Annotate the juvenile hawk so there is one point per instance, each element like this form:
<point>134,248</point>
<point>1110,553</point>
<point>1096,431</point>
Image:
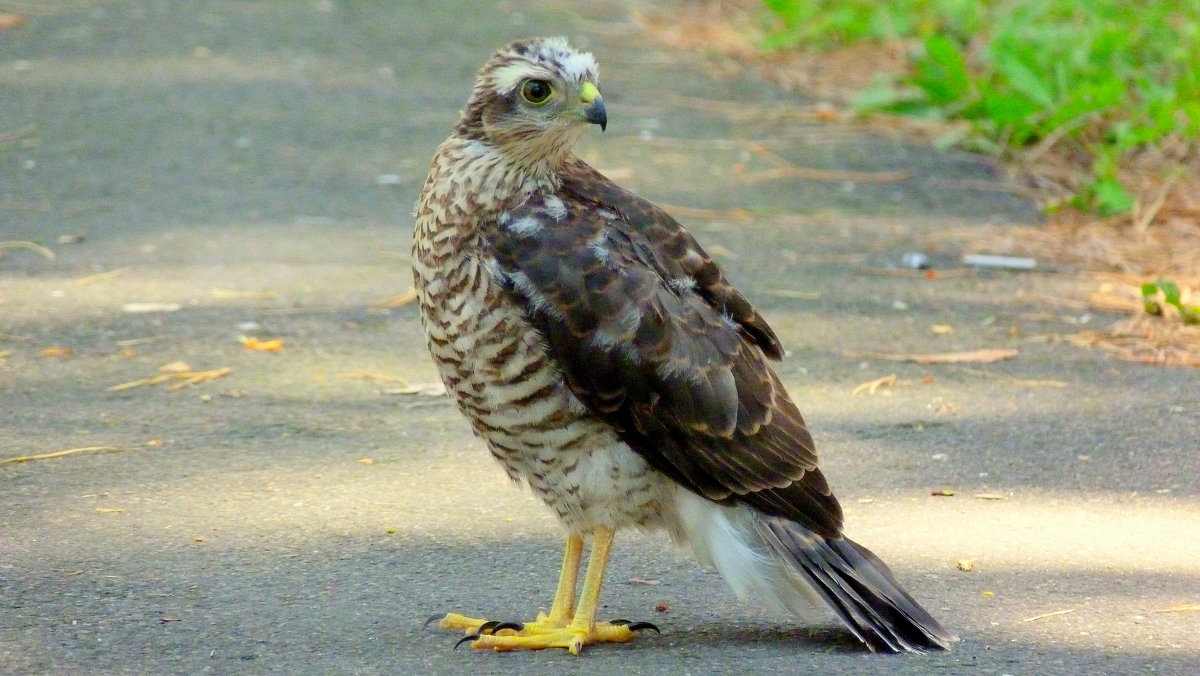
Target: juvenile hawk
<point>609,364</point>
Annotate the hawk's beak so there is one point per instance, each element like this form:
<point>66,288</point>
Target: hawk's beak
<point>593,109</point>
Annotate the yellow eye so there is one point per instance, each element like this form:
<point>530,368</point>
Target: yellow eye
<point>536,92</point>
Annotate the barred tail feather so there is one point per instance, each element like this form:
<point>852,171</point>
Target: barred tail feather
<point>790,568</point>
<point>858,587</point>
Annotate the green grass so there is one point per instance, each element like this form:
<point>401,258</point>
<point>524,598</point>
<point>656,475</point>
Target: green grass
<point>1156,295</point>
<point>1113,76</point>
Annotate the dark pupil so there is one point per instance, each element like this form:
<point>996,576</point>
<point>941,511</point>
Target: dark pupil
<point>537,90</point>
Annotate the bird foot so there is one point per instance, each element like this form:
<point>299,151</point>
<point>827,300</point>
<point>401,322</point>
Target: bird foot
<point>545,632</point>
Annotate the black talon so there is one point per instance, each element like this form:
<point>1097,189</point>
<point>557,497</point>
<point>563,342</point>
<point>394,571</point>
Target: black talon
<point>431,619</point>
<point>488,627</point>
<point>639,626</point>
<point>515,626</point>
<point>472,637</point>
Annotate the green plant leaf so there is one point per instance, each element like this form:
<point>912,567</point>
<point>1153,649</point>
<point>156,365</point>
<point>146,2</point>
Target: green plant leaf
<point>1111,197</point>
<point>1170,292</point>
<point>1022,77</point>
<point>942,73</point>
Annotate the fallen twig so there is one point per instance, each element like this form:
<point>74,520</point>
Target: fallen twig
<point>103,276</point>
<point>394,302</point>
<point>1186,608</point>
<point>32,246</point>
<point>984,356</point>
<point>189,378</point>
<point>1045,615</point>
<point>1023,382</point>
<point>60,454</point>
<point>372,376</point>
<point>872,385</point>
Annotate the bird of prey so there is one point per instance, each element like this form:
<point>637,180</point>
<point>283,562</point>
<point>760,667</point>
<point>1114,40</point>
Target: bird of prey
<point>607,362</point>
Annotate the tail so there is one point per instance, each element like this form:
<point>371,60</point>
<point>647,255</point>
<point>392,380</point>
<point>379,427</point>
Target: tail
<point>792,568</point>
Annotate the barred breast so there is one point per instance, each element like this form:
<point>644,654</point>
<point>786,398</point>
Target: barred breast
<point>495,367</point>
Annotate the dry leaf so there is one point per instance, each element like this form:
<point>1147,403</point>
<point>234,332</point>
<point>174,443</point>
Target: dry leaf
<point>9,20</point>
<point>252,343</point>
<point>662,607</point>
<point>54,351</point>
<point>943,493</point>
<point>966,565</point>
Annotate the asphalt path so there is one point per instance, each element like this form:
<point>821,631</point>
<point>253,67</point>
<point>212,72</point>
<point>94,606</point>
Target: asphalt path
<point>249,170</point>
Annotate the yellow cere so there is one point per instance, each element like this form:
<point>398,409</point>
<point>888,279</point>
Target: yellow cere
<point>588,92</point>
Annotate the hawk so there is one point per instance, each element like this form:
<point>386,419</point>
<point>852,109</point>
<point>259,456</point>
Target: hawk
<point>609,364</point>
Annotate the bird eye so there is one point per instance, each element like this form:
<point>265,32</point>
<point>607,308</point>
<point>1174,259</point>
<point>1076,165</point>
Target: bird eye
<point>536,92</point>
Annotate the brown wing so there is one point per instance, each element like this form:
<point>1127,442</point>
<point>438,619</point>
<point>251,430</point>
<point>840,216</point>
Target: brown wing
<point>650,336</point>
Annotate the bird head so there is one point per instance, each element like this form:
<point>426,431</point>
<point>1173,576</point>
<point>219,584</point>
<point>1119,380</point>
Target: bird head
<point>533,99</point>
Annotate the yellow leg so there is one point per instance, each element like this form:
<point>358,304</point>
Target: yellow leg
<point>561,610</point>
<point>583,629</point>
<point>589,599</point>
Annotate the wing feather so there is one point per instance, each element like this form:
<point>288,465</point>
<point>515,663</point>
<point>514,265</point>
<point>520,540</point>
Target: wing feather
<point>649,334</point>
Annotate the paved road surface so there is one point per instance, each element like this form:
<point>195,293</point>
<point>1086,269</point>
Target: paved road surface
<point>256,162</point>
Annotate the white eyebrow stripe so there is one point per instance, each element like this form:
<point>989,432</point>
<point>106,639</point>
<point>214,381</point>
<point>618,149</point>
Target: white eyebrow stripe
<point>508,77</point>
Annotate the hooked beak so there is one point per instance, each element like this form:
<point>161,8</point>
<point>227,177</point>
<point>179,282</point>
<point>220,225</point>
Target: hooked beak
<point>593,108</point>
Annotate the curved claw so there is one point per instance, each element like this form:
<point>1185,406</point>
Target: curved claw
<point>432,618</point>
<point>487,627</point>
<point>515,626</point>
<point>465,639</point>
<point>639,626</point>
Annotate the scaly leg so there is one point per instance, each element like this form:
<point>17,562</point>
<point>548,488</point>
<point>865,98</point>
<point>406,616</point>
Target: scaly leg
<point>583,629</point>
<point>561,610</point>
